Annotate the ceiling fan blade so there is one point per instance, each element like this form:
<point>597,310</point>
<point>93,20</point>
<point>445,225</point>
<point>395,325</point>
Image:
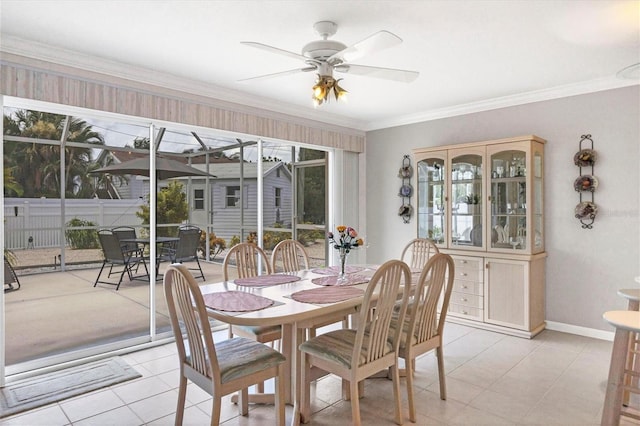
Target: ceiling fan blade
<point>405,76</point>
<point>280,73</point>
<point>274,50</point>
<point>374,43</point>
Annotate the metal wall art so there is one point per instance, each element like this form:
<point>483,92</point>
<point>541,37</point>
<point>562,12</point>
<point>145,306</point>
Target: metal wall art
<point>406,190</point>
<point>586,184</point>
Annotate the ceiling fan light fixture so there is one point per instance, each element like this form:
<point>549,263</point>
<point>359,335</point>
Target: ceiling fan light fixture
<point>325,84</point>
<point>339,92</point>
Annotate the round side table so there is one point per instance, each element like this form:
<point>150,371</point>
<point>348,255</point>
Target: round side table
<point>627,323</point>
<point>633,296</point>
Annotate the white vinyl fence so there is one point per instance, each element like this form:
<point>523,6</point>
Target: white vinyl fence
<point>36,223</point>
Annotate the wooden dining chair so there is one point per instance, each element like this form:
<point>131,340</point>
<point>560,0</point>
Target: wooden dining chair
<point>250,260</point>
<point>418,252</point>
<point>421,327</point>
<point>293,257</point>
<point>355,354</point>
<point>218,368</point>
<point>291,254</point>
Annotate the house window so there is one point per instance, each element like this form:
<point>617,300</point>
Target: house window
<point>198,199</point>
<point>278,172</point>
<point>233,196</point>
<point>278,197</point>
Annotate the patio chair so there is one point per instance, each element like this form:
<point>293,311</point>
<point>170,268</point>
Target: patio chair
<point>185,249</point>
<point>420,250</point>
<point>10,277</point>
<point>422,323</point>
<point>129,247</point>
<point>355,354</point>
<point>115,255</point>
<point>218,368</point>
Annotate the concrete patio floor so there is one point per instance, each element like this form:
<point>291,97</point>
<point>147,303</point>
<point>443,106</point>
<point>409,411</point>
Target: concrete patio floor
<point>55,312</point>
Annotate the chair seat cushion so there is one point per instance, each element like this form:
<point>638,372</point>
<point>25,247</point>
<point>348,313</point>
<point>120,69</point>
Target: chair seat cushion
<point>239,357</point>
<point>337,346</point>
<point>403,335</point>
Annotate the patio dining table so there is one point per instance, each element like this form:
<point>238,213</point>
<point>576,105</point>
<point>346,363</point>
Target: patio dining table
<point>306,299</point>
<point>145,241</point>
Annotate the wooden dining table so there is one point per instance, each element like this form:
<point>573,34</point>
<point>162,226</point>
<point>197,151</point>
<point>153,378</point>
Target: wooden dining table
<point>296,301</point>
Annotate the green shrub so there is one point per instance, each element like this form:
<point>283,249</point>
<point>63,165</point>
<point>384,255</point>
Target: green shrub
<point>234,240</point>
<point>216,245</point>
<point>171,208</point>
<point>81,238</point>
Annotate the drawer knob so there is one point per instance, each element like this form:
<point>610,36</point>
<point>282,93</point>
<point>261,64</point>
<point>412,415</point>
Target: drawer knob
<point>465,287</point>
<point>464,261</point>
<point>463,274</point>
<point>464,299</point>
<point>465,312</point>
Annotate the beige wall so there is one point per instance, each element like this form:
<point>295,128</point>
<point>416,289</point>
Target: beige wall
<point>585,268</point>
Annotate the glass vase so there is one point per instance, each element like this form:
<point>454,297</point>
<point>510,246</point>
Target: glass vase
<point>343,259</point>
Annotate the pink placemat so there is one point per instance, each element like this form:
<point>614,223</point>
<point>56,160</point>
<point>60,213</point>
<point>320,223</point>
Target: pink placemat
<point>349,279</point>
<point>266,280</point>
<point>327,294</point>
<point>335,270</point>
<point>236,301</point>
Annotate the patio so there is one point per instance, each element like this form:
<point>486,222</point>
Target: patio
<point>55,312</point>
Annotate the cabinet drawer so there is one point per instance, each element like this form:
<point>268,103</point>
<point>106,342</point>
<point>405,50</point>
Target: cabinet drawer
<point>468,287</point>
<point>466,299</point>
<point>472,275</point>
<point>469,263</point>
<point>465,312</point>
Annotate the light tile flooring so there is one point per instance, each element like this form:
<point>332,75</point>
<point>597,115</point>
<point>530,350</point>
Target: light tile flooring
<point>492,379</point>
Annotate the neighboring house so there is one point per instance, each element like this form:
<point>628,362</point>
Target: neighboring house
<point>225,197</point>
<point>224,211</point>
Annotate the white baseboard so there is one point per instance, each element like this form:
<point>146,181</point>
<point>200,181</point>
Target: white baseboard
<point>580,331</point>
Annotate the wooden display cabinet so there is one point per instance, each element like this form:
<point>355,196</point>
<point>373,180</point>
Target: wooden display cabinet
<point>483,203</point>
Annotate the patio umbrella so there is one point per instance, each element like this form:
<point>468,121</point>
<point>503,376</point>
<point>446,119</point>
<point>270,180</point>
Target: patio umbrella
<point>166,168</point>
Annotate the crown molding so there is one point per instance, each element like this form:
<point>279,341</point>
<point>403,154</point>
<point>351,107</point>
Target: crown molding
<point>557,92</point>
<point>272,108</point>
<point>59,56</point>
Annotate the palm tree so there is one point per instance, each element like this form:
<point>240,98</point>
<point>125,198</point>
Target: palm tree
<point>36,166</point>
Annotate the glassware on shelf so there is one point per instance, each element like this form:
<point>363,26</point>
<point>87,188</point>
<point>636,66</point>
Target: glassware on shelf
<point>516,241</point>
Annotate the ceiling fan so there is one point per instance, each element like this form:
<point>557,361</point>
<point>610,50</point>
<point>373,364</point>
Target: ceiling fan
<point>326,56</point>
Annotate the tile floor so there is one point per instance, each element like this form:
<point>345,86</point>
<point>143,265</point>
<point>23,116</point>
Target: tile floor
<point>492,379</point>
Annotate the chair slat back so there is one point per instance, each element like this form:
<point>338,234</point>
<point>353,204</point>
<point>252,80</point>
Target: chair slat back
<point>188,241</point>
<point>110,246</point>
<point>420,250</point>
<point>386,284</point>
<point>291,254</point>
<point>186,306</point>
<point>246,257</point>
<point>125,233</point>
<point>423,320</point>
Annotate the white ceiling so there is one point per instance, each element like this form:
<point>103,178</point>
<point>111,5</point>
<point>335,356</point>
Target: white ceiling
<point>471,55</point>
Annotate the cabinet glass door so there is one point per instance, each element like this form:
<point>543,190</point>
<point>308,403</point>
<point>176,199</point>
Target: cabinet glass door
<point>538,234</point>
<point>431,199</point>
<point>466,200</point>
<point>509,200</point>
